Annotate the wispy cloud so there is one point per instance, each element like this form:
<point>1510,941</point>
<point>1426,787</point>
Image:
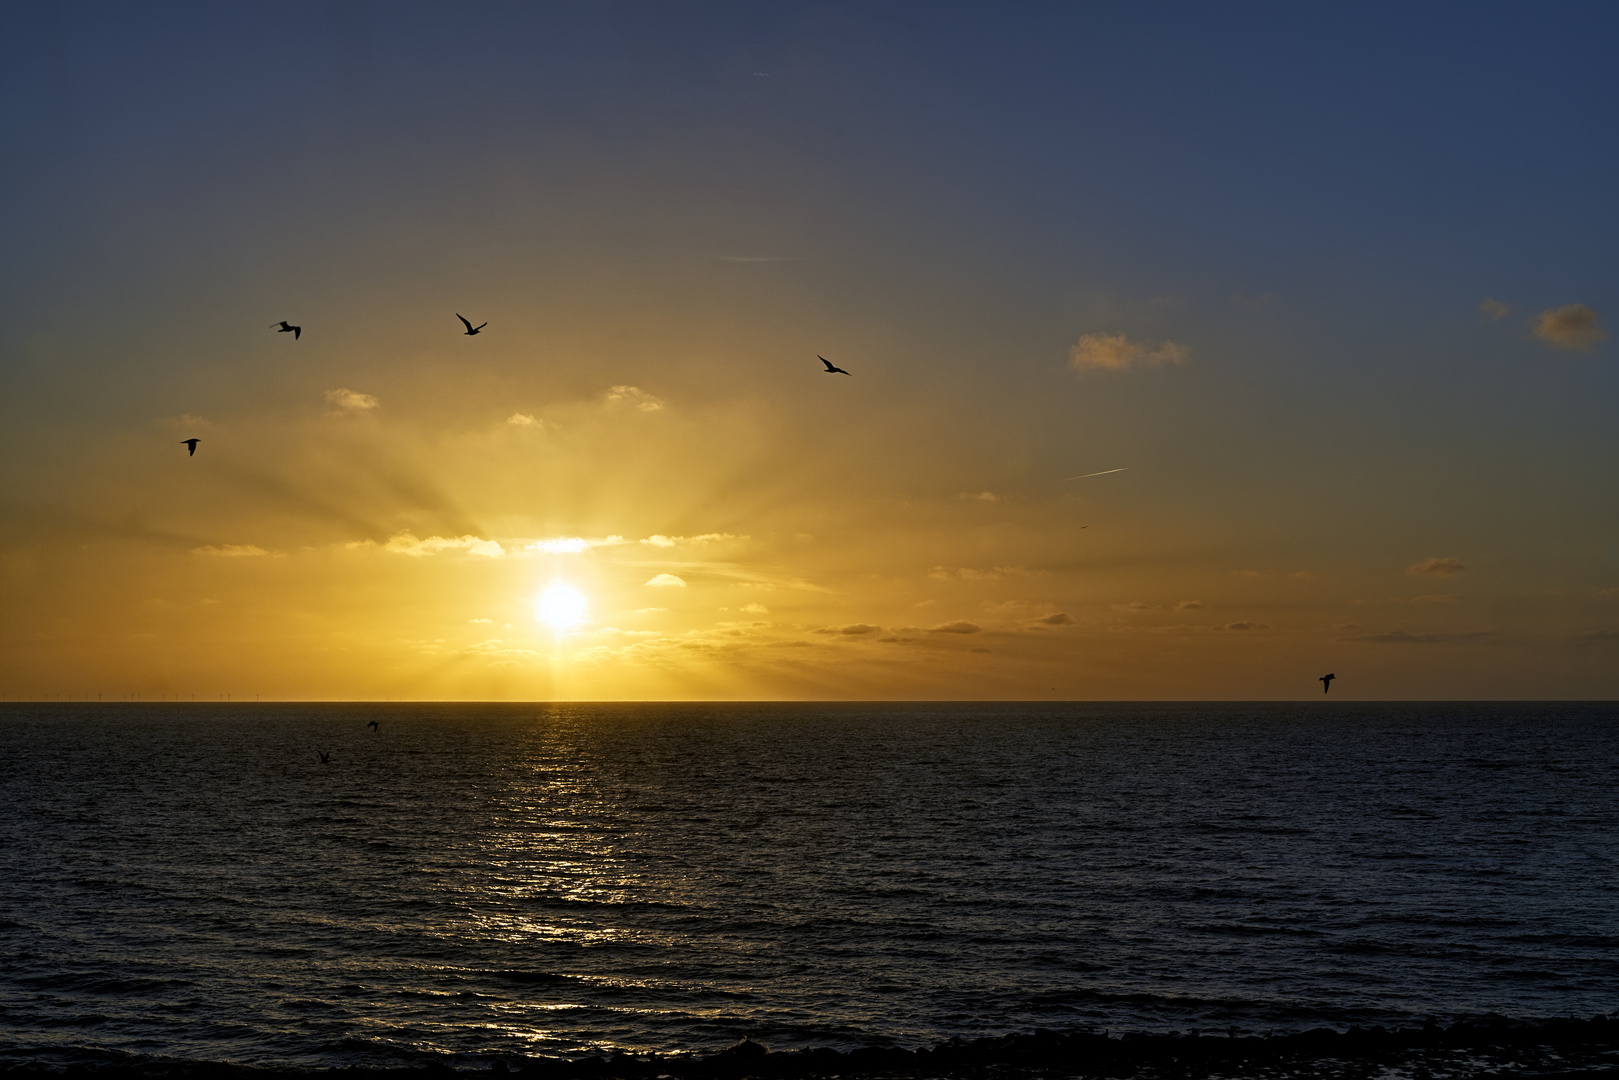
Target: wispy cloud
<point>1436,567</point>
<point>1405,637</point>
<point>661,541</point>
<point>1061,618</point>
<point>852,630</point>
<point>1493,309</point>
<point>634,395</point>
<point>352,402</point>
<point>667,581</point>
<point>1573,327</point>
<point>231,551</point>
<point>960,626</point>
<point>405,543</point>
<point>523,419</point>
<point>980,496</point>
<point>1116,352</point>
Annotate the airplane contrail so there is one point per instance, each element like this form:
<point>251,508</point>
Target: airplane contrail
<point>1104,472</point>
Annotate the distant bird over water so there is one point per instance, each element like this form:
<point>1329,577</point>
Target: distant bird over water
<point>325,757</point>
<point>374,726</point>
<point>286,327</point>
<point>1326,682</point>
<point>470,328</point>
<point>191,444</point>
<point>831,369</point>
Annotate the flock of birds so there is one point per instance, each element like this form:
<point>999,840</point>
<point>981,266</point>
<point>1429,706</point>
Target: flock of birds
<point>285,327</point>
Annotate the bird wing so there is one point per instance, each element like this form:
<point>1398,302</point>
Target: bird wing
<point>297,332</point>
<point>463,318</point>
<point>481,325</point>
<point>825,361</point>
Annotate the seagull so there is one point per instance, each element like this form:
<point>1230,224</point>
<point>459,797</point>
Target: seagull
<point>192,444</point>
<point>374,726</point>
<point>1326,682</point>
<point>470,328</point>
<point>287,328</point>
<point>831,369</point>
<point>325,757</point>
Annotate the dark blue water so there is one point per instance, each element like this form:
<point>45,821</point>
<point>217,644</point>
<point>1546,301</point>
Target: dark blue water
<point>191,881</point>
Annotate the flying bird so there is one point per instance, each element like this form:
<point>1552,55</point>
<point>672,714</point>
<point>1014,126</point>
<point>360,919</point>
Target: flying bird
<point>191,445</point>
<point>1326,682</point>
<point>1104,472</point>
<point>286,327</point>
<point>325,757</point>
<point>470,328</point>
<point>374,726</point>
<point>831,369</point>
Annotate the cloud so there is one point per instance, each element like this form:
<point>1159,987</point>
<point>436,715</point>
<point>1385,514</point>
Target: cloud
<point>1598,635</point>
<point>1246,626</point>
<point>667,581</point>
<point>1430,598</point>
<point>852,630</point>
<point>489,622</point>
<point>230,551</point>
<point>1134,605</point>
<point>1608,594</point>
<point>967,573</point>
<point>957,627</point>
<point>523,419</point>
<point>1115,352</point>
<point>1188,605</point>
<point>352,402</point>
<point>1061,618</point>
<point>755,609</point>
<point>1573,327</point>
<point>634,395</point>
<point>982,496</point>
<point>1245,573</point>
<point>1493,309</point>
<point>561,545</point>
<point>1303,575</point>
<point>405,543</point>
<point>1437,567</point>
<point>659,540</point>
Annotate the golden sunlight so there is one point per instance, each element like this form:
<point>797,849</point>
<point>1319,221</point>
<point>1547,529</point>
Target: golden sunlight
<point>561,607</point>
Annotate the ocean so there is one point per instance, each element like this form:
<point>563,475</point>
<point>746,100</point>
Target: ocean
<point>474,881</point>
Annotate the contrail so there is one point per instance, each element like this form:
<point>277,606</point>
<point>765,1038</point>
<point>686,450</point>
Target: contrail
<point>1104,472</point>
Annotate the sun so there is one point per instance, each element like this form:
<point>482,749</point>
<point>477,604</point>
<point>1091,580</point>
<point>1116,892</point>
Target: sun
<point>561,607</point>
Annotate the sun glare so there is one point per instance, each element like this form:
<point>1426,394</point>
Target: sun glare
<point>561,607</point>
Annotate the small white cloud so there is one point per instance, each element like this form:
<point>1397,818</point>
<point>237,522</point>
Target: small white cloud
<point>755,609</point>
<point>634,395</point>
<point>659,540</point>
<point>1573,327</point>
<point>1492,309</point>
<point>489,622</point>
<point>405,543</point>
<point>982,496</point>
<point>231,551</point>
<point>352,402</point>
<point>1116,352</point>
<point>960,626</point>
<point>1061,618</point>
<point>561,545</point>
<point>667,581</point>
<point>523,419</point>
<point>1189,605</point>
<point>653,610</point>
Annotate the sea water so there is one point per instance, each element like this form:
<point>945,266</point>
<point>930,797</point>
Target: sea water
<point>473,880</point>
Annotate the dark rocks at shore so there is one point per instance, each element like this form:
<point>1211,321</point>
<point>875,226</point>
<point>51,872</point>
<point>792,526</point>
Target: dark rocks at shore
<point>1561,1049</point>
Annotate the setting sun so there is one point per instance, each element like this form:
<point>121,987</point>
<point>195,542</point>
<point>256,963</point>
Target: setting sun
<point>561,607</point>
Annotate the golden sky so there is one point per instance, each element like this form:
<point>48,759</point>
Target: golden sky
<point>1363,417</point>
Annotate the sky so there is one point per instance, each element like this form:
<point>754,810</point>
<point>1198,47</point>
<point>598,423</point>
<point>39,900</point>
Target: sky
<point>1320,294</point>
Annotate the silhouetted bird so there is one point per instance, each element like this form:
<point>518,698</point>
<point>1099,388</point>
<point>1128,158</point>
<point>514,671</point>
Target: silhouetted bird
<point>831,369</point>
<point>1326,682</point>
<point>470,328</point>
<point>374,726</point>
<point>287,328</point>
<point>325,758</point>
<point>192,445</point>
